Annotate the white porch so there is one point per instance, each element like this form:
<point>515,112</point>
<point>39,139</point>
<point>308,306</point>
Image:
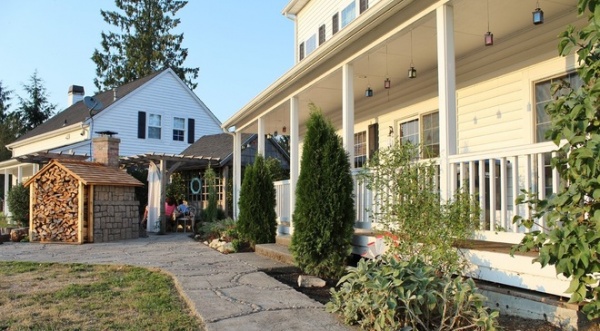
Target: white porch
<point>485,97</point>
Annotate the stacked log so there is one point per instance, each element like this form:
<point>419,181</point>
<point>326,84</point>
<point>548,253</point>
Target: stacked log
<point>55,206</point>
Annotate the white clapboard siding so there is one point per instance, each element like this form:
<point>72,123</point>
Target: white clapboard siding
<point>164,95</point>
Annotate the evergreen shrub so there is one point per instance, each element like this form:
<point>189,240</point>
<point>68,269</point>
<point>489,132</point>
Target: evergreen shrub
<point>324,213</point>
<point>257,221</point>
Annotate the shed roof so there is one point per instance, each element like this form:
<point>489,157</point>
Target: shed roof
<point>90,173</point>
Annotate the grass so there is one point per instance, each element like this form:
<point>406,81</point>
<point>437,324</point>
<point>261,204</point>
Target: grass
<point>52,296</point>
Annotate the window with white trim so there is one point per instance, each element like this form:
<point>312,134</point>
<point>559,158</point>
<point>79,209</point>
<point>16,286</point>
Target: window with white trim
<point>348,14</point>
<point>431,135</point>
<point>425,131</point>
<point>311,44</point>
<point>178,129</point>
<point>360,149</point>
<point>154,126</point>
<point>543,95</point>
<point>409,132</point>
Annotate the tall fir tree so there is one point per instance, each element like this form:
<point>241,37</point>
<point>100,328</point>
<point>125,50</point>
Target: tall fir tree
<point>257,221</point>
<point>144,45</point>
<point>324,213</point>
<point>9,123</point>
<point>36,109</point>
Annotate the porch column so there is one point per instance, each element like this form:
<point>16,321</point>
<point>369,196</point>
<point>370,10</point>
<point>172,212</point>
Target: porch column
<point>294,156</point>
<point>6,186</point>
<point>19,174</point>
<point>261,136</point>
<point>237,172</point>
<point>348,111</point>
<point>447,94</point>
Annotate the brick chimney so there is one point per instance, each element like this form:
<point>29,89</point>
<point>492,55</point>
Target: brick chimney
<point>106,150</point>
<point>76,94</point>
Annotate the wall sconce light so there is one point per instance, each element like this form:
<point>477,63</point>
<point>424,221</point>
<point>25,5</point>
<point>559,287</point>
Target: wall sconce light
<point>387,83</point>
<point>488,37</point>
<point>538,15</point>
<point>412,72</point>
<point>391,132</point>
<point>368,92</point>
<point>284,129</point>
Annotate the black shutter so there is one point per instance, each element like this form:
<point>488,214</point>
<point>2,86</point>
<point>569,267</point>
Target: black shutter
<point>321,34</point>
<point>301,51</point>
<point>373,139</point>
<point>191,132</point>
<point>142,124</point>
<point>364,4</point>
<point>335,23</point>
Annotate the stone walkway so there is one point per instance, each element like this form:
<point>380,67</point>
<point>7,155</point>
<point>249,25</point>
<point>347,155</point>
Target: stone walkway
<point>228,292</point>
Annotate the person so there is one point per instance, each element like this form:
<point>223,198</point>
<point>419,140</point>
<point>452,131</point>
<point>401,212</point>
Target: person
<point>182,208</point>
<point>170,208</point>
<point>145,218</point>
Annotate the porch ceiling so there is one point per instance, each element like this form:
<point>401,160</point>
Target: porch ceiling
<point>377,56</point>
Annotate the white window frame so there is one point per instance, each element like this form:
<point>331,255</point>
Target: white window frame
<point>153,127</point>
<point>181,129</point>
<point>348,14</point>
<point>360,157</point>
<point>310,45</point>
<point>420,132</point>
<point>539,105</point>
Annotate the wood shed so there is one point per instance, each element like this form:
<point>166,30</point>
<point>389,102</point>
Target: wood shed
<point>82,202</point>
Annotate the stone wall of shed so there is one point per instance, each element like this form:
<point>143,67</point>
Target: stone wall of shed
<point>116,213</point>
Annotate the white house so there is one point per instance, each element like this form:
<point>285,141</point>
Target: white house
<point>157,113</point>
<point>467,78</point>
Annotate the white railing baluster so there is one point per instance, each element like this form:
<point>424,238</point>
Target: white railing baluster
<point>492,179</point>
<point>515,190</point>
<point>503,192</point>
<point>541,180</point>
<point>482,197</point>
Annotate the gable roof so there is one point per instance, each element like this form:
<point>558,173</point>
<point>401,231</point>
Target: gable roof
<point>78,112</point>
<point>90,173</point>
<point>216,145</point>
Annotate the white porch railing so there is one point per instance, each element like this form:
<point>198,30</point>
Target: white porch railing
<point>513,170</point>
<point>282,198</point>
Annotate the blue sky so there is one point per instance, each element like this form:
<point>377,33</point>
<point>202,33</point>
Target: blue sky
<point>240,46</point>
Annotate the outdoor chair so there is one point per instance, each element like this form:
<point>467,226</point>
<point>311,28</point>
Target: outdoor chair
<point>186,220</point>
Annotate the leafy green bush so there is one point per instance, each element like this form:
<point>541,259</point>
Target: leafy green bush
<point>257,221</point>
<point>18,203</point>
<point>214,230</point>
<point>176,188</point>
<point>324,213</point>
<point>408,206</point>
<point>569,235</point>
<point>389,294</point>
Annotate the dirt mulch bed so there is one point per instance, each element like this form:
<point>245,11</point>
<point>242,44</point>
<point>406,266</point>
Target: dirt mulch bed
<point>289,276</point>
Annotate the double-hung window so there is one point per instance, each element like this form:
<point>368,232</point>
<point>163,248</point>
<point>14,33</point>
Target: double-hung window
<point>543,95</point>
<point>348,14</point>
<point>360,149</point>
<point>154,126</point>
<point>424,131</point>
<point>178,129</point>
<point>311,44</point>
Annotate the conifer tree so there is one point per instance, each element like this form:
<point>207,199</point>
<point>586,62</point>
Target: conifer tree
<point>35,109</point>
<point>324,213</point>
<point>145,45</point>
<point>257,221</point>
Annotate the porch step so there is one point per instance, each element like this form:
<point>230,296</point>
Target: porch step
<point>278,251</point>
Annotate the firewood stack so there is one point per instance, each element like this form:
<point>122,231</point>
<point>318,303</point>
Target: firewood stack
<point>55,205</point>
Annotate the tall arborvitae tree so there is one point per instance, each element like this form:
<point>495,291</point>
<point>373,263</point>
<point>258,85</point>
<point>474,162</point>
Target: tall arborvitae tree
<point>36,109</point>
<point>324,214</point>
<point>145,45</point>
<point>257,221</point>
